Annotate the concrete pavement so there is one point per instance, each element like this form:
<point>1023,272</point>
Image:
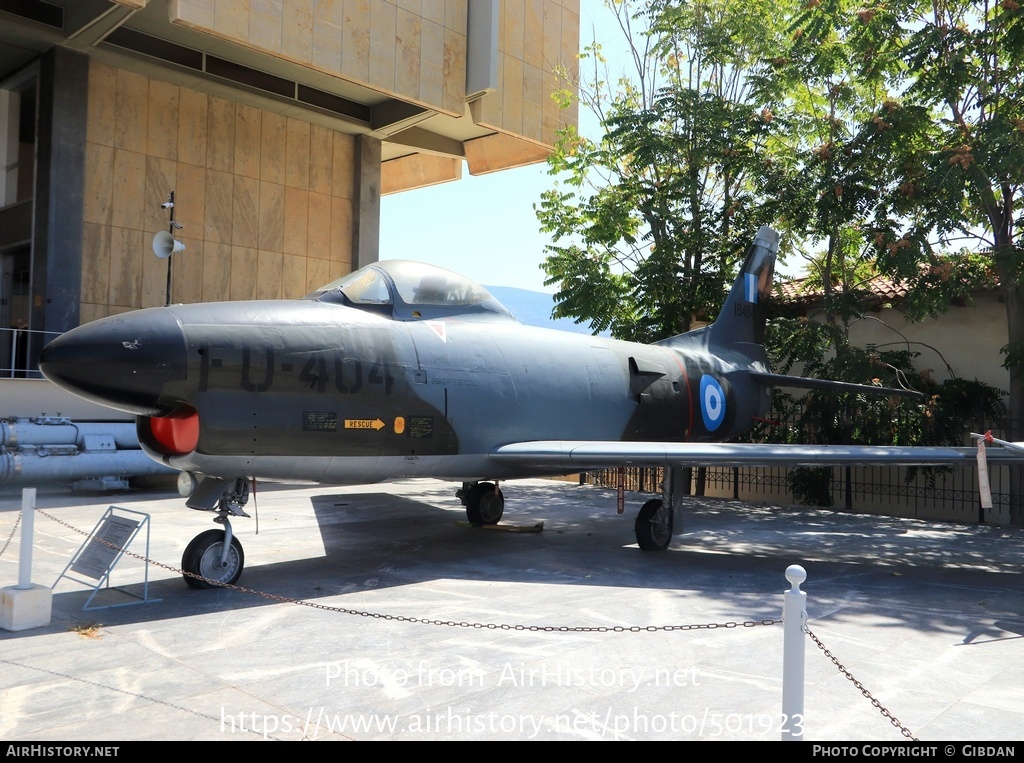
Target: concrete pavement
<point>928,617</point>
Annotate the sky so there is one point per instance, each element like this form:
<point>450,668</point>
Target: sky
<point>484,227</point>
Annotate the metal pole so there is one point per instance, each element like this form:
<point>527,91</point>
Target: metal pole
<point>170,257</point>
<point>794,615</point>
<point>28,520</point>
<point>15,336</point>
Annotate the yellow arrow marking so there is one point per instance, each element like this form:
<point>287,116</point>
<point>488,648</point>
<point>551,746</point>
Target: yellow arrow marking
<point>364,424</point>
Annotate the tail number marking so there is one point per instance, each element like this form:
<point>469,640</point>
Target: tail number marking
<point>257,374</point>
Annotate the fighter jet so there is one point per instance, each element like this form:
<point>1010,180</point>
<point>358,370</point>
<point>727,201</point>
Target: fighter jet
<point>402,369</point>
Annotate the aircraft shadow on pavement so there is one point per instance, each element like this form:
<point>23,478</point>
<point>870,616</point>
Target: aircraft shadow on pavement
<point>733,553</point>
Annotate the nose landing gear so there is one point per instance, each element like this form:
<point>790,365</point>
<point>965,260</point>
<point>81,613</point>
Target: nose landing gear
<point>214,557</point>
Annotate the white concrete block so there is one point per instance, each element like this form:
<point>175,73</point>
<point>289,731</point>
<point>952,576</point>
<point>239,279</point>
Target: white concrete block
<point>21,609</point>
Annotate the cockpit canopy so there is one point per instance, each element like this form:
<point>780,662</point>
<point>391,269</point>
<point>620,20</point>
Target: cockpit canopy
<point>411,291</point>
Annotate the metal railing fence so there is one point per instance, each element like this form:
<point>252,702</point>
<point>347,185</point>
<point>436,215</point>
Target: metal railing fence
<point>944,493</point>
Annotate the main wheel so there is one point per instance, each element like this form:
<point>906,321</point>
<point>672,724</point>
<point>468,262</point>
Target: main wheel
<point>654,526</point>
<point>485,504</point>
<point>203,557</point>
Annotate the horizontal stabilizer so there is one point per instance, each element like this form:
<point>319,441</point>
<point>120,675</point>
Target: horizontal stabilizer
<point>1017,447</point>
<point>826,385</point>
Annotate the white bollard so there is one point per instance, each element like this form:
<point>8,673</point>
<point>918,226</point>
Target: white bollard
<point>28,524</point>
<point>794,615</point>
<point>25,605</point>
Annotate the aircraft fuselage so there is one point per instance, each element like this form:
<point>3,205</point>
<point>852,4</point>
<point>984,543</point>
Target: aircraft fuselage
<point>313,391</point>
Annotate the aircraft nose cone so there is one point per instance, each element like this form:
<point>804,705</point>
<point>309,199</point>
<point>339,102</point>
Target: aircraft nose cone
<point>124,361</point>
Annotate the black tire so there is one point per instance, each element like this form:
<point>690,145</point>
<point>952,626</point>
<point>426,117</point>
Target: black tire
<point>202,557</point>
<point>484,504</point>
<point>652,534</point>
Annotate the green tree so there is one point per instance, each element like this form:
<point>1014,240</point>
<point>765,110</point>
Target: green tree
<point>828,191</point>
<point>942,149</point>
<point>953,148</point>
<point>872,134</point>
<point>651,217</point>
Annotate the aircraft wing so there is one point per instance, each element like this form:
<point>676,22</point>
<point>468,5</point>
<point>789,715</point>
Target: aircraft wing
<point>587,455</point>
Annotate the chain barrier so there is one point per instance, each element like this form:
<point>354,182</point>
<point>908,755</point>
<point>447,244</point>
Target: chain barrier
<point>878,705</point>
<point>424,620</point>
<point>9,537</point>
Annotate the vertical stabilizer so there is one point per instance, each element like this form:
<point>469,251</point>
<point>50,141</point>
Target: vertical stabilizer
<point>743,315</point>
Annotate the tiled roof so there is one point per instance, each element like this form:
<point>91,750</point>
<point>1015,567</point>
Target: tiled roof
<point>879,288</point>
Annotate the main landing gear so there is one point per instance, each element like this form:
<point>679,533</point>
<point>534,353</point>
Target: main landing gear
<point>653,525</point>
<point>214,557</point>
<point>484,502</point>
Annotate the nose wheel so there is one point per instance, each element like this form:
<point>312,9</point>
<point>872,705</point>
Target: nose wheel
<point>205,556</point>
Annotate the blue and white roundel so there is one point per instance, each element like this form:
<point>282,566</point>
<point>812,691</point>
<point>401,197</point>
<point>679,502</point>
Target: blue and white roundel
<point>712,403</point>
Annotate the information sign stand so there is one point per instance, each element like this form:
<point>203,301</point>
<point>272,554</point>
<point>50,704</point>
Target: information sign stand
<point>103,549</point>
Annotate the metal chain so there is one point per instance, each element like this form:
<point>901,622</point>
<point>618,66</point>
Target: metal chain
<point>424,620</point>
<point>842,669</point>
<point>9,537</point>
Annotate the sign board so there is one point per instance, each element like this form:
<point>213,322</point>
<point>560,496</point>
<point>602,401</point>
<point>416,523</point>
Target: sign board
<point>106,543</point>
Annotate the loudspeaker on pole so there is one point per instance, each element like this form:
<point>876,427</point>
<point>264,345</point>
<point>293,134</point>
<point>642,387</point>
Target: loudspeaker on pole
<point>164,245</point>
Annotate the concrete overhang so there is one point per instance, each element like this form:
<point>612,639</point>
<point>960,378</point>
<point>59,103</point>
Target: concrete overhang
<point>138,35</point>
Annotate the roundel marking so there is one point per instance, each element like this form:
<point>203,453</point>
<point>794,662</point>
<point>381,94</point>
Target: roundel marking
<point>712,403</point>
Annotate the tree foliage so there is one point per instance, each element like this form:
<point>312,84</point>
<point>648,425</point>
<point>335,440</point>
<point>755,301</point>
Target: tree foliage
<point>650,219</point>
<point>946,145</point>
<point>827,190</point>
<point>885,137</point>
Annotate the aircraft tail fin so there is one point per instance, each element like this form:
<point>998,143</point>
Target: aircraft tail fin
<point>742,317</point>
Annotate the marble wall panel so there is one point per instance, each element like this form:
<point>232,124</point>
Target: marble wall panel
<point>244,263</point>
<point>273,147</point>
<point>132,111</point>
<point>99,184</point>
<point>95,262</point>
<point>220,188</point>
<point>245,212</point>
<point>102,116</point>
<point>162,120</point>
<point>269,270</point>
<point>187,272</point>
<point>271,217</point>
<point>125,284</point>
<point>293,277</point>
<point>297,30</point>
<point>296,220</point>
<point>248,143</point>
<point>193,108</point>
<point>220,134</point>
<point>297,154</point>
<point>128,189</point>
